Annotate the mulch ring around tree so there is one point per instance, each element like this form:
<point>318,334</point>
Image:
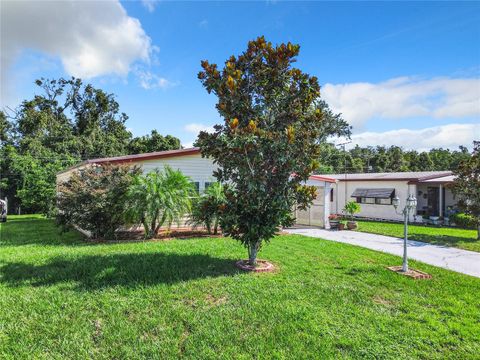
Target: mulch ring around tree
<point>415,274</point>
<point>262,266</point>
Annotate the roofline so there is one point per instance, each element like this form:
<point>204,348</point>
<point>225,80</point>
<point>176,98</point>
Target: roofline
<point>322,178</point>
<point>412,180</point>
<point>137,157</point>
<point>146,156</point>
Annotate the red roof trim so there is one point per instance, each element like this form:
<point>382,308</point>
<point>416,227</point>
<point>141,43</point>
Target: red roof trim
<point>146,156</point>
<point>322,178</point>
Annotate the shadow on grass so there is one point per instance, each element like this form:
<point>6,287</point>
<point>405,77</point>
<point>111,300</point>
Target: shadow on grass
<point>125,270</point>
<point>445,240</point>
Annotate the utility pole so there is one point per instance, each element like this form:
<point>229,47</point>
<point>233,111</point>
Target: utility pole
<point>345,167</point>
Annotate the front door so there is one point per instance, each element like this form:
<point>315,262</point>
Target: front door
<point>432,201</point>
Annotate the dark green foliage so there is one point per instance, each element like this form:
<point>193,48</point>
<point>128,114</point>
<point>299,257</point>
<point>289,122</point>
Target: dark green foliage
<point>273,124</point>
<point>208,208</point>
<point>467,185</point>
<point>65,123</point>
<point>94,199</point>
<point>153,142</point>
<point>392,159</point>
<point>463,220</point>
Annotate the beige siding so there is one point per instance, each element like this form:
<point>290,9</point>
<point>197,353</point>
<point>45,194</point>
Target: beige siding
<point>194,166</point>
<point>402,190</point>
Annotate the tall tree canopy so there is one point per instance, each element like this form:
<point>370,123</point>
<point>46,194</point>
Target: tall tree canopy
<point>388,159</point>
<point>467,185</point>
<point>274,123</point>
<point>67,122</point>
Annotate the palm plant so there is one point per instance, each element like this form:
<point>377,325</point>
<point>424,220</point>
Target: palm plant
<point>159,198</point>
<point>207,209</point>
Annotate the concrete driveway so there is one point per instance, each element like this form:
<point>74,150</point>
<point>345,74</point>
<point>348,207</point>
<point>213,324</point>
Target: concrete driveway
<point>462,261</point>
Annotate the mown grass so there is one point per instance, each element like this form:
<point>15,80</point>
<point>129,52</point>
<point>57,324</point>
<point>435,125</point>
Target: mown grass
<point>64,298</point>
<point>460,238</point>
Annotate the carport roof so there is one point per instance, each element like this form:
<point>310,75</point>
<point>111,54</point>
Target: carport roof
<point>417,176</point>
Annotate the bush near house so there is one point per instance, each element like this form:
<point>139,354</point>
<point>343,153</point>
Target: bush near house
<point>208,208</point>
<point>467,185</point>
<point>94,199</point>
<point>463,220</point>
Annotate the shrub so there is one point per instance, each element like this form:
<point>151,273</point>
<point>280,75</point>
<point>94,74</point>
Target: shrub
<point>351,208</point>
<point>463,220</point>
<point>208,208</point>
<point>94,199</point>
<point>159,198</point>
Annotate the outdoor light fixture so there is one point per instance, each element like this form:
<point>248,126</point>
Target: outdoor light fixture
<point>410,206</point>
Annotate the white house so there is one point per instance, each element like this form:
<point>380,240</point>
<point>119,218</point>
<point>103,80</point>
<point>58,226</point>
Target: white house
<point>200,170</point>
<point>375,191</point>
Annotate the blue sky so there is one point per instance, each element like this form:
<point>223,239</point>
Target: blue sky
<point>401,73</point>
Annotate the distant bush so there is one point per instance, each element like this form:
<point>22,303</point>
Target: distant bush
<point>463,220</point>
<point>94,199</point>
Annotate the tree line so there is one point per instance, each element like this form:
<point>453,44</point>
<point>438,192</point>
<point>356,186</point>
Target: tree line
<point>67,122</point>
<point>388,159</point>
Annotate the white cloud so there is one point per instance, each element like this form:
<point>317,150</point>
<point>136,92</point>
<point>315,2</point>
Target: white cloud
<point>195,128</point>
<point>405,97</point>
<point>447,136</point>
<point>90,38</point>
<point>188,144</point>
<point>150,5</point>
<point>149,80</point>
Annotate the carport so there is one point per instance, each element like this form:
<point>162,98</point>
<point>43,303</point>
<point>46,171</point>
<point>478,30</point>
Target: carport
<point>317,214</point>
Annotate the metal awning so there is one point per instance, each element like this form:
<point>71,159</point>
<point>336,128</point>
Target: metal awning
<point>374,193</point>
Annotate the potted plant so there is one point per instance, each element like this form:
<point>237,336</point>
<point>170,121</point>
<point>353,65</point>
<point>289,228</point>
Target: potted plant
<point>334,220</point>
<point>352,208</point>
<point>341,225</point>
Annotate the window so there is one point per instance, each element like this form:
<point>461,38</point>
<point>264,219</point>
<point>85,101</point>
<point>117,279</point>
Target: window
<point>331,195</point>
<point>196,185</point>
<point>374,196</point>
<point>208,184</point>
<point>380,201</point>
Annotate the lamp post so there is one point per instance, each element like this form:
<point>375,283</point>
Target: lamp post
<point>411,204</point>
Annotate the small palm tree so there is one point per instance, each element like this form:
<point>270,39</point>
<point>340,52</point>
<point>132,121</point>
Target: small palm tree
<point>207,209</point>
<point>159,198</point>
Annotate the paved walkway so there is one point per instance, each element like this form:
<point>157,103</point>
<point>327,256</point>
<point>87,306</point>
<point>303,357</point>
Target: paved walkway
<point>463,261</point>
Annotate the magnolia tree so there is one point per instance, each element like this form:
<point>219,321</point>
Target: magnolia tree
<point>274,124</point>
<point>467,185</point>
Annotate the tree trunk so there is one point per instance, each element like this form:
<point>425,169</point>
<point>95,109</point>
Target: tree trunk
<point>215,226</point>
<point>252,253</point>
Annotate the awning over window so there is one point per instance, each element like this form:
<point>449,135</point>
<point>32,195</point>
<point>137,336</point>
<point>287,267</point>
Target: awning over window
<point>374,193</point>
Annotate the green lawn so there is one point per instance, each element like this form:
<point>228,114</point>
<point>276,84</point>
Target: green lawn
<point>460,238</point>
<point>61,298</point>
